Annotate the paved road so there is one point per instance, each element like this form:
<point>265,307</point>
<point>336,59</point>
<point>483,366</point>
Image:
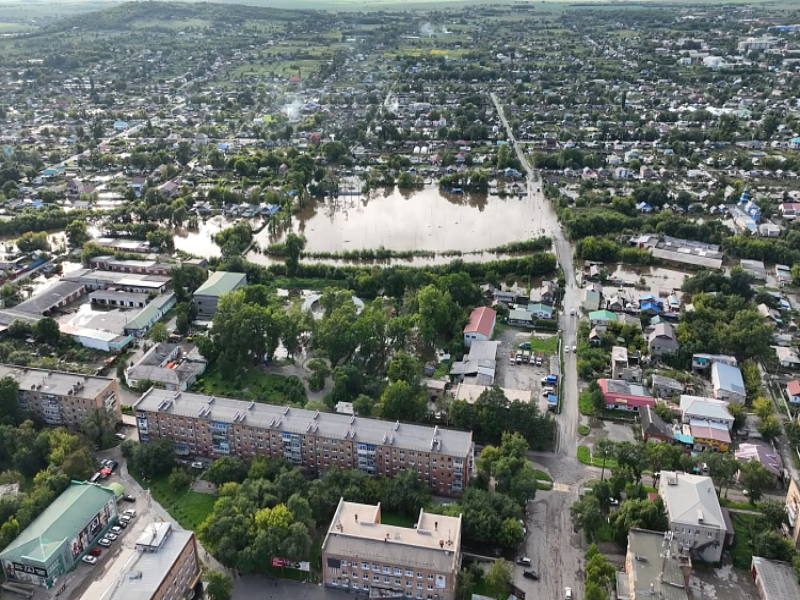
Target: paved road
<point>556,551</point>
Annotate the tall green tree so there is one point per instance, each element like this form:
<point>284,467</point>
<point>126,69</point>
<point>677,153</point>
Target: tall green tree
<point>9,401</point>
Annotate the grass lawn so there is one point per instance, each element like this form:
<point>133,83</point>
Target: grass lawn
<point>542,476</point>
<point>742,549</point>
<point>583,429</point>
<point>585,405</point>
<point>585,456</point>
<point>256,385</point>
<point>740,505</point>
<point>546,345</point>
<point>189,508</point>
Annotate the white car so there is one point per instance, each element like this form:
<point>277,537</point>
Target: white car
<point>89,560</point>
<point>106,543</point>
<point>572,312</point>
<point>112,536</point>
<point>574,348</point>
<point>566,349</point>
<point>197,465</point>
<point>567,593</point>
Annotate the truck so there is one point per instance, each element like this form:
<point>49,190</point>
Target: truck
<point>550,380</point>
<point>552,402</point>
<point>519,358</point>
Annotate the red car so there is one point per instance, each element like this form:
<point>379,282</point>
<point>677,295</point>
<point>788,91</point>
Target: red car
<point>94,551</point>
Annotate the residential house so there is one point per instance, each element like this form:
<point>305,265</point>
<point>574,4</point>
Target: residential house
<point>707,409</point>
<point>624,395</point>
<point>541,311</point>
<point>663,340</point>
<point>728,383</point>
<point>694,513</point>
<point>701,362</point>
<point>520,317</point>
<point>792,528</point>
<point>775,580</point>
<point>763,453</point>
<point>793,392</point>
<point>601,317</point>
<point>480,326</point>
<point>656,566</point>
<point>666,387</point>
<point>619,361</point>
<point>590,300</point>
<point>654,428</point>
<point>169,366</point>
<point>787,357</point>
<point>708,435</point>
<point>547,292</point>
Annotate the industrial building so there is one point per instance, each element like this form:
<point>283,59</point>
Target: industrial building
<point>57,539</point>
<point>206,297</point>
<point>362,554</point>
<point>163,566</point>
<point>214,426</point>
<point>61,398</point>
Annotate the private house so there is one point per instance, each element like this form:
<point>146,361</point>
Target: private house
<point>602,317</point>
<point>708,435</point>
<point>666,387</point>
<point>793,392</point>
<point>763,453</point>
<point>654,428</point>
<point>787,357</point>
<point>547,292</point>
<point>481,325</point>
<point>701,362</point>
<point>728,383</point>
<point>624,395</point>
<point>619,361</point>
<point>663,340</point>
<point>206,298</point>
<point>695,517</point>
<point>520,317</point>
<point>590,300</point>
<point>541,311</point>
<point>706,409</point>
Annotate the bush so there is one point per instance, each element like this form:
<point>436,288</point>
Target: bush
<point>583,429</point>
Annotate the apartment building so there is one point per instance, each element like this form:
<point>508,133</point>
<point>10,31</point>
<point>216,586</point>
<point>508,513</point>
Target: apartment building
<point>791,529</point>
<point>362,554</point>
<point>163,566</point>
<point>61,398</point>
<point>214,426</point>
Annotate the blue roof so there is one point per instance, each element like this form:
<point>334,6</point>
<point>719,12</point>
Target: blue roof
<point>795,140</point>
<point>552,399</point>
<point>650,305</point>
<point>684,438</point>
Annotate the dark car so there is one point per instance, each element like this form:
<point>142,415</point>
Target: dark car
<point>113,465</point>
<point>129,498</point>
<point>94,551</point>
<point>528,574</point>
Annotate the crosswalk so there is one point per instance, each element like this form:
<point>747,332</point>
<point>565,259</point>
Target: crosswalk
<point>560,487</point>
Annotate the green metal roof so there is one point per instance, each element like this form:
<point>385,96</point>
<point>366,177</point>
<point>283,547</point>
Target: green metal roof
<point>602,314</point>
<point>62,520</point>
<point>219,283</point>
<point>117,488</point>
<point>146,315</point>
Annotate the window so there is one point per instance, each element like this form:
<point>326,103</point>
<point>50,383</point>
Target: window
<point>430,576</point>
<point>398,571</point>
<point>409,573</point>
<point>419,586</point>
<point>387,570</point>
<point>376,578</point>
<point>376,568</point>
<point>397,581</point>
<point>408,584</point>
<point>419,575</point>
<point>387,579</point>
<point>365,566</point>
<point>366,577</point>
<point>355,585</point>
<point>430,587</point>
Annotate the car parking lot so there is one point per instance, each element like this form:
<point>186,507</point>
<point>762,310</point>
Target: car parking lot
<point>522,376</point>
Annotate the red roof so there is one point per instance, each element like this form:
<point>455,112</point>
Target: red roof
<point>481,320</point>
<point>794,387</point>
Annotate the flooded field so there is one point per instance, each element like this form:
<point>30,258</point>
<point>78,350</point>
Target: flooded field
<point>428,219</point>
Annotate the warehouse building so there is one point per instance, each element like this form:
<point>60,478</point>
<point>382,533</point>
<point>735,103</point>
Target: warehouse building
<point>215,426</point>
<point>56,541</point>
<point>61,398</point>
<point>206,297</point>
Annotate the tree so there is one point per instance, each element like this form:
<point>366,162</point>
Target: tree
<point>756,478</point>
<point>402,403</point>
<point>179,479</point>
<point>159,333</point>
<point>294,246</point>
<point>641,514</point>
<point>498,578</point>
<point>662,456</point>
<point>29,242</point>
<point>774,513</point>
<point>587,515</point>
<point>770,427</point>
<point>739,414</point>
<point>464,582</point>
<point>772,545</point>
<point>151,459</point>
<point>100,426</point>
<point>225,469</point>
<point>46,331</point>
<point>77,234</point>
<point>763,408</point>
<point>9,401</point>
<point>218,586</point>
<point>183,153</point>
<point>633,456</point>
<point>182,323</point>
<point>603,448</point>
<point>722,467</point>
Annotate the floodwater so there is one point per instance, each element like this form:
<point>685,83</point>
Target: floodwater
<point>200,241</point>
<point>427,219</point>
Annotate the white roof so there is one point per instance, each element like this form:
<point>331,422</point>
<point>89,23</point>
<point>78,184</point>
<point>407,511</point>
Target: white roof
<point>705,408</point>
<point>690,499</point>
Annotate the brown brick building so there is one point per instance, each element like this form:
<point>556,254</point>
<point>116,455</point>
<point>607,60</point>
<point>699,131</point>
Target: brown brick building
<point>384,561</point>
<point>61,398</point>
<point>210,426</point>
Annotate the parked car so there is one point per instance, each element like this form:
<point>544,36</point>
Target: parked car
<point>120,436</point>
<point>519,358</point>
<point>197,465</point>
<point>89,560</point>
<point>526,357</point>
<point>129,498</point>
<point>113,465</point>
<point>129,513</point>
<point>574,348</point>
<point>123,522</point>
<point>105,542</point>
<point>95,551</point>
<point>566,349</point>
<point>525,346</point>
<point>112,536</point>
<point>567,593</point>
<point>528,574</point>
<point>525,561</point>
<point>116,529</point>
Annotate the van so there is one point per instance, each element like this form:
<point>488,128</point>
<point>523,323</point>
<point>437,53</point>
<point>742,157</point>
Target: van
<point>519,358</point>
<point>526,357</point>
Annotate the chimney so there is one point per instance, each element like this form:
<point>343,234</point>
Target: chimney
<point>386,539</point>
<point>436,526</point>
<point>441,543</point>
<point>356,518</point>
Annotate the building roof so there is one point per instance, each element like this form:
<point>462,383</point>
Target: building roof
<point>356,531</point>
<point>708,430</point>
<point>667,383</point>
<point>763,454</point>
<point>618,391</point>
<point>153,566</point>
<point>61,521</point>
<point>690,499</point>
<point>59,383</point>
<point>46,299</point>
<point>221,282</point>
<point>652,424</point>
<point>778,579</point>
<point>663,330</point>
<point>727,378</point>
<point>705,408</point>
<point>145,316</point>
<point>300,421</point>
<point>602,315</point>
<point>481,320</point>
<point>470,393</point>
<point>647,549</point>
<point>483,350</point>
<point>793,387</point>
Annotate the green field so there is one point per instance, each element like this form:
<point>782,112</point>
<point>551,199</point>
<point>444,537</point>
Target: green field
<point>189,508</point>
<point>256,385</point>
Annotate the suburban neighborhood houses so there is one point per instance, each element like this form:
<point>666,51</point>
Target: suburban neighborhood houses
<point>418,301</point>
